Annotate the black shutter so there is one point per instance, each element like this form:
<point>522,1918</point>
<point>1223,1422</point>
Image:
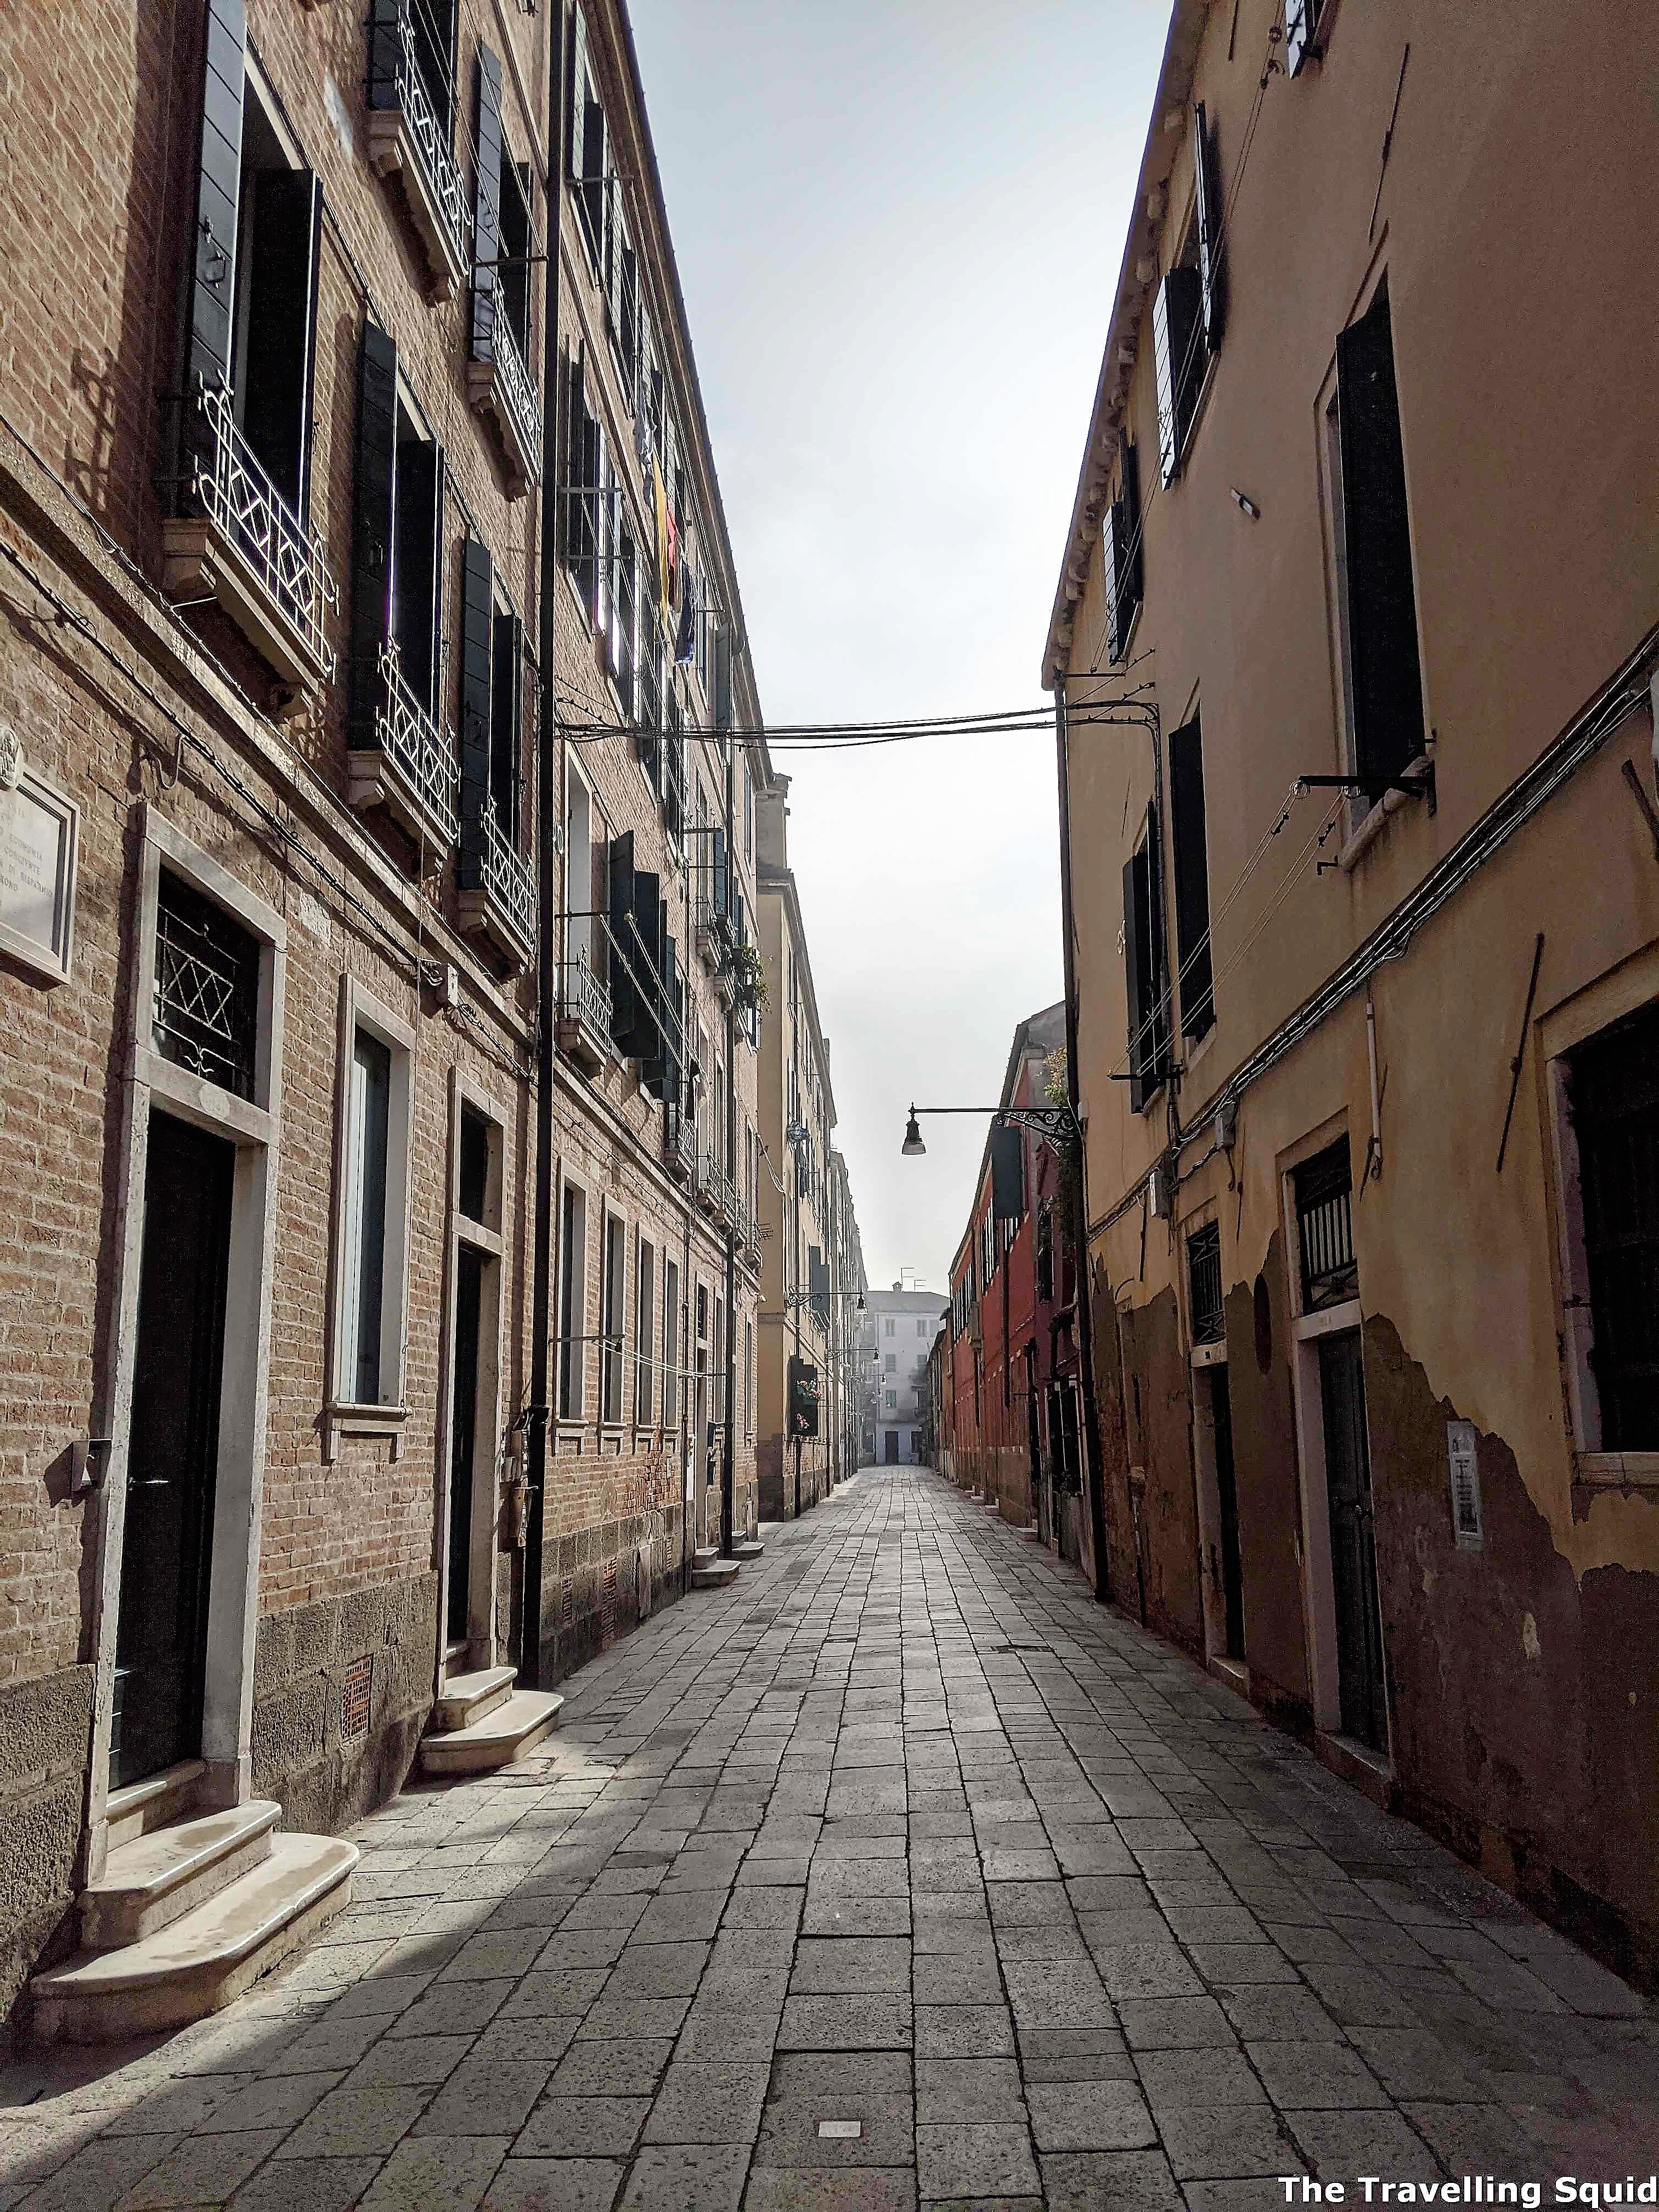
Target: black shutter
<point>1007,1172</point>
<point>277,377</point>
<point>720,884</point>
<point>624,998</point>
<point>211,293</point>
<point>507,729</point>
<point>1134,877</point>
<point>1152,980</point>
<point>722,678</point>
<point>660,1077</point>
<point>477,670</point>
<point>1301,22</point>
<point>487,208</point>
<point>1177,309</point>
<point>645,950</point>
<point>418,588</point>
<point>1211,217</point>
<point>1125,551</point>
<point>374,522</point>
<point>1192,878</point>
<point>1387,674</point>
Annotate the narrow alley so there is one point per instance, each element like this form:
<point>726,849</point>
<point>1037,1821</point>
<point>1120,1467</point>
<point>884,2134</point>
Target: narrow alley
<point>902,1870</point>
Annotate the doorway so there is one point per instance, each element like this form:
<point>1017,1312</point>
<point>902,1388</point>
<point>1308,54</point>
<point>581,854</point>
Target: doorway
<point>161,1643</point>
<point>892,1447</point>
<point>1353,1545</point>
<point>462,1439</point>
<point>1226,1483</point>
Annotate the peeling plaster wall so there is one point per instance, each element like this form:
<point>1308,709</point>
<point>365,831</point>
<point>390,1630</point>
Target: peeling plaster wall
<point>1269,1501</point>
<point>1159,1386</point>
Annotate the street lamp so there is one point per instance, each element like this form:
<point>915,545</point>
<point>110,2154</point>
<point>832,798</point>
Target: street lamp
<point>913,1148</point>
<point>1058,1122</point>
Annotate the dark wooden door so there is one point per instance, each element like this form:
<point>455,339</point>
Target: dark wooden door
<point>462,1437</point>
<point>1353,1544</point>
<point>1226,1483</point>
<point>161,1639</point>
<point>892,1447</point>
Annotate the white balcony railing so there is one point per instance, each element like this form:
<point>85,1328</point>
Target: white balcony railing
<point>420,754</point>
<point>508,878</point>
<point>406,135</point>
<point>583,998</point>
<point>232,489</point>
<point>520,393</point>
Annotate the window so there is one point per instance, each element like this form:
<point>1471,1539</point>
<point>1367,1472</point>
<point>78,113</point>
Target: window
<point>584,475</point>
<point>1204,1281</point>
<point>749,1378</point>
<point>573,1303</point>
<point>1192,879</point>
<point>1324,1185</point>
<point>1178,358</point>
<point>892,1400</point>
<point>1209,217</point>
<point>921,1326</point>
<point>645,1318</point>
<point>1613,1104</point>
<point>613,1319</point>
<point>891,1325</point>
<point>492,755</point>
<point>472,1191</point>
<point>206,1011</point>
<point>1122,569</point>
<point>748,812</point>
<point>1378,595</point>
<point>1044,1250</point>
<point>1142,965</point>
<point>371,1204</point>
<point>588,168</point>
<point>1301,29</point>
<point>891,1362</point>
<point>670,1343</point>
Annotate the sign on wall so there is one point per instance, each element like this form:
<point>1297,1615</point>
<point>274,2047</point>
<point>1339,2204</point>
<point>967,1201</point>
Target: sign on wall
<point>40,834</point>
<point>1465,1472</point>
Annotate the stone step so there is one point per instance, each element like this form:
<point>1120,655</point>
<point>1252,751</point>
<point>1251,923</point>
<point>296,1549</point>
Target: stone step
<point>510,1731</point>
<point>156,1802</point>
<point>468,1697</point>
<point>750,1549</point>
<point>716,1574</point>
<point>705,1555</point>
<point>156,1879</point>
<point>1033,1534</point>
<point>201,1961</point>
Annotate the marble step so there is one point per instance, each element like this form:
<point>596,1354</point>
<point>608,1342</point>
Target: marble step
<point>200,1963</point>
<point>468,1697</point>
<point>705,1555</point>
<point>716,1574</point>
<point>508,1732</point>
<point>166,1872</point>
<point>751,1548</point>
<point>156,1802</point>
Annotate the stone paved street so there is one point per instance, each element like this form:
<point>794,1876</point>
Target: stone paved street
<point>903,1832</point>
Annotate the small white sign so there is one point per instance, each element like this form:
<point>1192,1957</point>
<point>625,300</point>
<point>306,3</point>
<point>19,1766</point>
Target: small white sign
<point>1465,1472</point>
<point>39,833</point>
<point>842,2130</point>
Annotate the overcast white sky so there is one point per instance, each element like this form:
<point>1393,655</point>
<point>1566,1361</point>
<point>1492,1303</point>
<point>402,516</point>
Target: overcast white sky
<point>898,224</point>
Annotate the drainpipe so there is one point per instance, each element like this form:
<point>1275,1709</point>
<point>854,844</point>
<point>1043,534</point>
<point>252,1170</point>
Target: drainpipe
<point>1092,1469</point>
<point>549,748</point>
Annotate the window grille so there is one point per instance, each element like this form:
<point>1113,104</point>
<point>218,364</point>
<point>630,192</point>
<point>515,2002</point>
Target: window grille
<point>1613,1096</point>
<point>206,1008</point>
<point>1204,1274</point>
<point>1324,1189</point>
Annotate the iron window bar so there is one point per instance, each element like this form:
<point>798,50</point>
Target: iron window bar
<point>1330,1272</point>
<point>411,740</point>
<point>230,487</point>
<point>507,878</point>
<point>1204,1279</point>
<point>204,1014</point>
<point>583,998</point>
<point>1418,785</point>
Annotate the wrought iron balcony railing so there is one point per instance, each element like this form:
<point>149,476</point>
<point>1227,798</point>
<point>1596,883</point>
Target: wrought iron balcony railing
<point>501,386</point>
<point>583,998</point>
<point>410,769</point>
<point>241,542</point>
<point>498,887</point>
<point>407,135</point>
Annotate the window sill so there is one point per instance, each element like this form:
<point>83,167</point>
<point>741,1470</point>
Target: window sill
<point>395,150</point>
<point>343,1418</point>
<point>203,561</point>
<point>1372,828</point>
<point>1617,1470</point>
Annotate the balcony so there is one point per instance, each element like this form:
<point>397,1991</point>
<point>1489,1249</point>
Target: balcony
<point>244,547</point>
<point>583,1032</point>
<point>410,768</point>
<point>498,889</point>
<point>500,388</point>
<point>407,140</point>
<point>679,1143</point>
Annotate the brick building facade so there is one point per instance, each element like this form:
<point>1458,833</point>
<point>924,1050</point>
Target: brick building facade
<point>304,671</point>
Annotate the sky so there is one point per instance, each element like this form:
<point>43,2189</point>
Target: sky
<point>898,225</point>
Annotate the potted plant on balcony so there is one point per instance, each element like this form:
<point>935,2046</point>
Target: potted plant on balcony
<point>749,976</point>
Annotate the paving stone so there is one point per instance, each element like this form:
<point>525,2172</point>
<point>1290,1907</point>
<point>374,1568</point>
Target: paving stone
<point>1311,2076</point>
<point>843,1966</point>
<point>437,2173</point>
<point>963,2030</point>
<point>203,2169</point>
<point>309,2184</point>
<point>705,2178</point>
<point>804,2189</point>
<point>1339,2143</point>
<point>874,2088</point>
<point>349,2121</point>
<point>1110,2115</point>
<point>968,2089</point>
<point>1226,2142</point>
<point>582,2127</point>
<point>709,2101</point>
<point>977,2159</point>
<point>845,2023</point>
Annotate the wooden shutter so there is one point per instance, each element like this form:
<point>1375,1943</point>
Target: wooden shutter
<point>418,589</point>
<point>1132,932</point>
<point>1387,673</point>
<point>1192,878</point>
<point>1109,533</point>
<point>374,522</point>
<point>624,1008</point>
<point>507,729</point>
<point>645,950</point>
<point>1178,310</point>
<point>211,293</point>
<point>1152,980</point>
<point>721,885</point>
<point>1301,22</point>
<point>477,672</point>
<point>1125,540</point>
<point>1007,1172</point>
<point>722,678</point>
<point>1211,216</point>
<point>487,208</point>
<point>276,378</point>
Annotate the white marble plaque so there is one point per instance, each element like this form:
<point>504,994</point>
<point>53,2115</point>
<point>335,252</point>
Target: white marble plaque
<point>38,833</point>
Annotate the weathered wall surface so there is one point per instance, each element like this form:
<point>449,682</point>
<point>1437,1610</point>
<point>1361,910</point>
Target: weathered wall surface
<point>46,1727</point>
<point>1269,1501</point>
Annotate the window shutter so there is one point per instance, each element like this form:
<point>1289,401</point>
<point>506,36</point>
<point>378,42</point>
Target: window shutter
<point>722,678</point>
<point>624,1008</point>
<point>277,376</point>
<point>604,532</point>
<point>1008,1173</point>
<point>1301,22</point>
<point>1192,880</point>
<point>386,52</point>
<point>1132,962</point>
<point>1109,533</point>
<point>721,884</point>
<point>1388,679</point>
<point>1211,216</point>
<point>374,521</point>
<point>418,585</point>
<point>1126,541</point>
<point>487,208</point>
<point>1176,311</point>
<point>507,729</point>
<point>477,670</point>
<point>212,291</point>
<point>1151,981</point>
<point>645,950</point>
